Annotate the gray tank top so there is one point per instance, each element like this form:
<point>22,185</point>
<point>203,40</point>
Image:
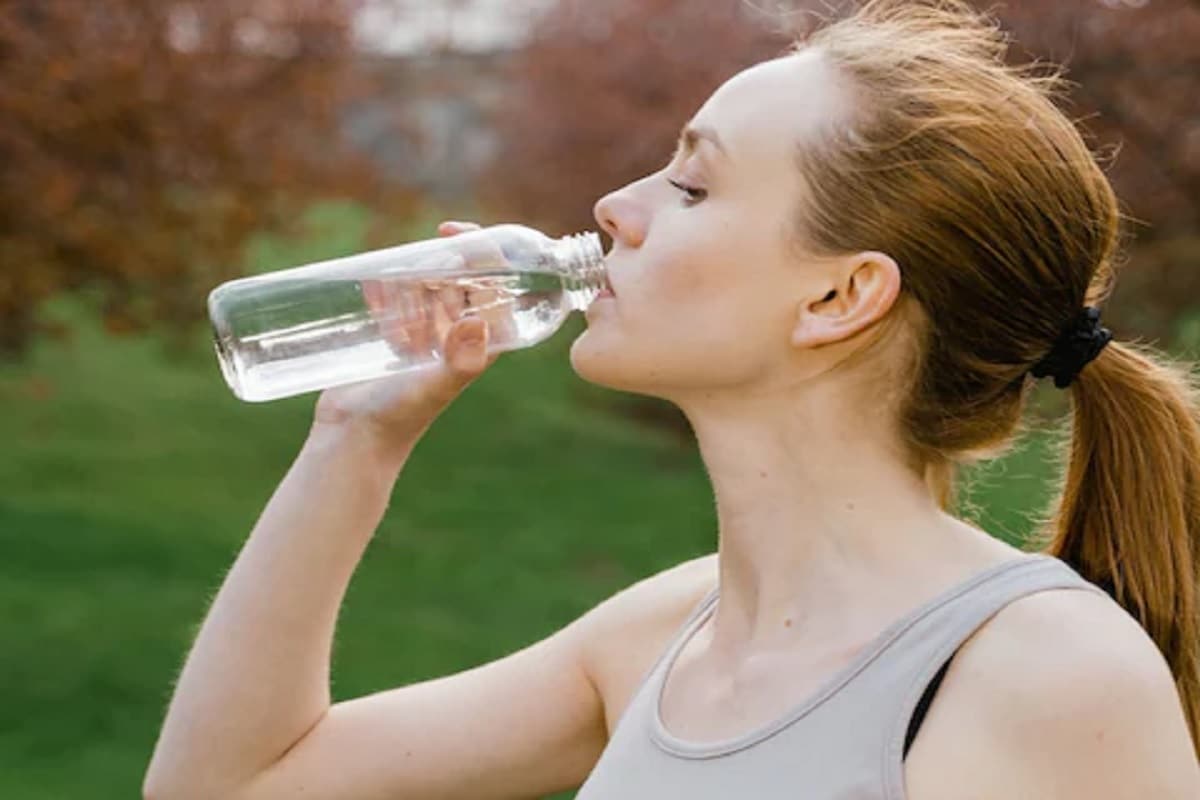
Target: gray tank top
<point>845,742</point>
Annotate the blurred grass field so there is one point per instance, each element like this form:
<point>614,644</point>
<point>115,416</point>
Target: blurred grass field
<point>129,479</point>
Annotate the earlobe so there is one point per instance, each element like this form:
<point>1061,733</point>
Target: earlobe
<point>868,291</point>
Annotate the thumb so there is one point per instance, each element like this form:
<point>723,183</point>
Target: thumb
<point>464,357</point>
<point>465,351</point>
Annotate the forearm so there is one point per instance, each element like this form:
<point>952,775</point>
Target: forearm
<point>257,678</point>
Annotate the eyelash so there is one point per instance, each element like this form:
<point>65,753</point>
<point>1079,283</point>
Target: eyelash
<point>694,195</point>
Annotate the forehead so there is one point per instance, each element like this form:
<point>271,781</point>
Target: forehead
<point>763,112</point>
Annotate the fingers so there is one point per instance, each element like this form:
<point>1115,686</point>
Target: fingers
<point>372,295</point>
<point>497,306</point>
<point>450,227</point>
<point>491,304</point>
<point>418,317</point>
<point>479,253</point>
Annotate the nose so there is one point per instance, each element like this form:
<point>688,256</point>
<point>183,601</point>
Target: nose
<point>621,218</point>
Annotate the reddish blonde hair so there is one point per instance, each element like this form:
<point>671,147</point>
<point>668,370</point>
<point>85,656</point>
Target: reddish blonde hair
<point>964,170</point>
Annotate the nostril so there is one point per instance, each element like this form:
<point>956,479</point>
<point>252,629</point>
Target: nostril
<point>604,216</point>
<point>608,226</point>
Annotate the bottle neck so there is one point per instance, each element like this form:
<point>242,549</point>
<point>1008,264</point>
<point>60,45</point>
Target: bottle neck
<point>581,258</point>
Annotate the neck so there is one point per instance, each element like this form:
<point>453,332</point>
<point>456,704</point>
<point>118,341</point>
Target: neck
<point>820,518</point>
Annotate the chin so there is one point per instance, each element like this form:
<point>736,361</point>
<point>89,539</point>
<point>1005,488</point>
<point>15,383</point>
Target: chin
<point>592,360</point>
<point>599,361</point>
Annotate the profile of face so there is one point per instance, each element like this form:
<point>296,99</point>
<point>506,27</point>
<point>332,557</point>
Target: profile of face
<point>713,292</point>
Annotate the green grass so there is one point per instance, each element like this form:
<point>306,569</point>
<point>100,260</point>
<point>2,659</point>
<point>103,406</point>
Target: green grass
<point>129,479</point>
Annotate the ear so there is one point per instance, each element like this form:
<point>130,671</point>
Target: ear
<point>862,291</point>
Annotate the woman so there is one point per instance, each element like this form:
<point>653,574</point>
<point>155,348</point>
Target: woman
<point>848,277</point>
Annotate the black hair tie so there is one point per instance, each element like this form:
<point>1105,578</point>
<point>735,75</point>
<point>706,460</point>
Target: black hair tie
<point>1077,347</point>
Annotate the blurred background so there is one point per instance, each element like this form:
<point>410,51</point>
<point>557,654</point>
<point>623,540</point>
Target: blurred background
<point>152,149</point>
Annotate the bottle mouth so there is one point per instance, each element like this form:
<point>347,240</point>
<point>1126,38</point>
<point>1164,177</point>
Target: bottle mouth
<point>588,251</point>
<point>587,274</point>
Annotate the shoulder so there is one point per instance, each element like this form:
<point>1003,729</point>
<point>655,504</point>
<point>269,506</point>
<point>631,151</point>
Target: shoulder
<point>1063,694</point>
<point>623,636</point>
<point>1069,659</point>
<point>666,597</point>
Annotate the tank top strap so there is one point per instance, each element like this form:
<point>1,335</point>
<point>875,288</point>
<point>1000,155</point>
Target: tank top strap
<point>898,678</point>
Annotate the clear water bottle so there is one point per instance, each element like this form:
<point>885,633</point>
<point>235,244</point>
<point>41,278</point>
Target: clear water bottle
<point>387,311</point>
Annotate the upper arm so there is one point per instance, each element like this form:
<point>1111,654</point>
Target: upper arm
<point>523,725</point>
<point>526,725</point>
<point>1061,696</point>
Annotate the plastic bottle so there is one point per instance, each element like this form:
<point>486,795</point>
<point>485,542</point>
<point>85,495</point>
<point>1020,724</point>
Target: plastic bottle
<point>387,311</point>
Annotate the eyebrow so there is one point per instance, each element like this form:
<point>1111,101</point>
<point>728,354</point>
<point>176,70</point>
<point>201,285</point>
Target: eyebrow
<point>692,134</point>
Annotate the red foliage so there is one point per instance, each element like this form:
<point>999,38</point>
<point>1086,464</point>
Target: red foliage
<point>600,93</point>
<point>143,141</point>
<point>1136,66</point>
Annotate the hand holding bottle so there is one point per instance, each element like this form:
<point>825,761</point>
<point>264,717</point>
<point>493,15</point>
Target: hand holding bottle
<point>416,309</point>
<point>400,408</point>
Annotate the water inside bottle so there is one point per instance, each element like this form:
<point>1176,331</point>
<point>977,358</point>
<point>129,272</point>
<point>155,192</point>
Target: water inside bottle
<point>320,333</point>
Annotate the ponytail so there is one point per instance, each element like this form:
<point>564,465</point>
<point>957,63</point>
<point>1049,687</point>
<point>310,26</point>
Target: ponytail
<point>1129,515</point>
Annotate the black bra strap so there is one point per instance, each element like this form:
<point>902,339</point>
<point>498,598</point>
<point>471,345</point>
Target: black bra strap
<point>918,717</point>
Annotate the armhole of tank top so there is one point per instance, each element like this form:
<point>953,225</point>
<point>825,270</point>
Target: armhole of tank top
<point>894,755</point>
<point>668,647</point>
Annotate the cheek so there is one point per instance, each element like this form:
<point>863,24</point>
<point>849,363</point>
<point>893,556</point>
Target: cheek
<point>705,289</point>
<point>685,328</point>
<point>695,274</point>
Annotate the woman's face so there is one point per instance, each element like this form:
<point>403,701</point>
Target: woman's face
<point>707,275</point>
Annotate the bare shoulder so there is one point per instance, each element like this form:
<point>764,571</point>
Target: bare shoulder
<point>659,598</point>
<point>1061,694</point>
<point>623,636</point>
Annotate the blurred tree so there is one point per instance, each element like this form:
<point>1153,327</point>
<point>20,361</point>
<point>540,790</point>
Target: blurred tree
<point>1136,69</point>
<point>604,85</point>
<point>144,140</point>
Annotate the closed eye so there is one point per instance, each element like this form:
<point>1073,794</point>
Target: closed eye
<point>693,195</point>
